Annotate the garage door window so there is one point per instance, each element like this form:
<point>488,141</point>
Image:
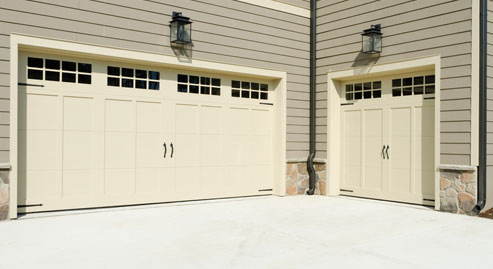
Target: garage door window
<point>59,70</point>
<point>413,86</point>
<point>132,78</point>
<point>252,90</point>
<point>197,84</point>
<point>364,90</point>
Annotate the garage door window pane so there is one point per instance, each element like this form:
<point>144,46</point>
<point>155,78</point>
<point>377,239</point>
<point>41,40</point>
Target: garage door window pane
<point>216,91</point>
<point>183,78</point>
<point>153,85</point>
<point>430,79</point>
<point>255,95</point>
<point>52,64</point>
<point>235,93</point>
<point>52,76</point>
<point>114,82</point>
<point>235,84</point>
<point>140,84</point>
<point>182,88</point>
<point>205,90</point>
<point>127,83</point>
<point>84,79</point>
<point>377,94</point>
<point>216,82</point>
<point>264,96</point>
<point>34,74</point>
<point>85,68</point>
<point>69,66</point>
<point>126,72</point>
<point>194,79</point>
<point>205,81</point>
<point>140,73</point>
<point>113,71</point>
<point>194,89</point>
<point>34,62</point>
<point>245,94</point>
<point>68,77</point>
<point>245,85</point>
<point>154,75</point>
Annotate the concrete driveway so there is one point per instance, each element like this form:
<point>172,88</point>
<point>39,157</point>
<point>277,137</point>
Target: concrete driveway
<point>264,232</point>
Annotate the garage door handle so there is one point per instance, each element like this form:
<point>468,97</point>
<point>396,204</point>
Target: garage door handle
<point>383,152</point>
<point>387,152</point>
<point>172,150</point>
<point>165,149</point>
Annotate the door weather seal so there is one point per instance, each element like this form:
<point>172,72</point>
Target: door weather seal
<point>483,32</point>
<point>313,59</point>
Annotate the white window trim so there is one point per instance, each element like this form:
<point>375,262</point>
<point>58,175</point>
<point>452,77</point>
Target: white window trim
<point>334,86</point>
<point>280,6</point>
<point>32,43</point>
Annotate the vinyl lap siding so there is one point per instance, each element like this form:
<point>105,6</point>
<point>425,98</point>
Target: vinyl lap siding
<point>230,31</point>
<point>410,29</point>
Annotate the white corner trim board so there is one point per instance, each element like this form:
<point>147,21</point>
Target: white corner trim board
<point>280,6</point>
<point>19,42</point>
<point>475,84</point>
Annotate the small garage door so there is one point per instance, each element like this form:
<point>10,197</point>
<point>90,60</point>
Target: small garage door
<point>388,138</point>
<point>96,133</point>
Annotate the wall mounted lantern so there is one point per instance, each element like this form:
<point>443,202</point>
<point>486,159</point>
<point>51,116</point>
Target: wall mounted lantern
<point>372,39</point>
<point>180,29</point>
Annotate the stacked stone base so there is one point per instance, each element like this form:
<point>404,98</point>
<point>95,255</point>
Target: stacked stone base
<point>4,194</point>
<point>458,190</point>
<point>298,178</point>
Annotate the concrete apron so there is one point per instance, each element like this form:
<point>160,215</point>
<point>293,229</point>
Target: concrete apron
<point>265,232</point>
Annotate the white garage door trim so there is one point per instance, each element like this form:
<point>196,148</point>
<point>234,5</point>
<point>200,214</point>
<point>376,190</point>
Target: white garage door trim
<point>23,42</point>
<point>335,81</point>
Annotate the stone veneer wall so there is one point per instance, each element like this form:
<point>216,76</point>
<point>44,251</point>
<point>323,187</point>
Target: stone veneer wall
<point>4,194</point>
<point>458,190</point>
<point>297,178</point>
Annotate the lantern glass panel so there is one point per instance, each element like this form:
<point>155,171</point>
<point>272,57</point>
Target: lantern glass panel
<point>367,43</point>
<point>377,43</point>
<point>181,32</point>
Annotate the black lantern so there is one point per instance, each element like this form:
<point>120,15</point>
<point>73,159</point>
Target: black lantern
<point>180,29</point>
<point>372,39</point>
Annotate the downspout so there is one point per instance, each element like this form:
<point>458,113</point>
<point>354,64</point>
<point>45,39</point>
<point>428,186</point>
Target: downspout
<point>313,66</point>
<point>482,106</point>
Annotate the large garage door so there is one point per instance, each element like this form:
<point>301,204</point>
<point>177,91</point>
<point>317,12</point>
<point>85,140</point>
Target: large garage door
<point>96,133</point>
<point>388,138</point>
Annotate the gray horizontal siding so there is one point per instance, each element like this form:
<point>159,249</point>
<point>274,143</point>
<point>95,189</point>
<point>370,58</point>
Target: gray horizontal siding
<point>229,31</point>
<point>410,29</point>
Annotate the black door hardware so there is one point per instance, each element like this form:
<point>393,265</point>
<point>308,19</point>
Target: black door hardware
<point>383,152</point>
<point>387,152</point>
<point>165,149</point>
<point>172,149</point>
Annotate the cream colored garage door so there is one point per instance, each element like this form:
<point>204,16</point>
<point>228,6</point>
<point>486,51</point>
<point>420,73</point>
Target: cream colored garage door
<point>98,133</point>
<point>388,138</point>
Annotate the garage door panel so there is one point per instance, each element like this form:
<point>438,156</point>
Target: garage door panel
<point>211,120</point>
<point>43,185</point>
<point>119,115</point>
<point>213,182</point>
<point>262,175</point>
<point>41,150</point>
<point>262,122</point>
<point>147,180</point>
<point>188,183</point>
<point>78,113</point>
<point>119,182</point>
<point>149,150</point>
<point>78,150</point>
<point>119,150</point>
<point>261,150</point>
<point>211,150</point>
<point>167,183</point>
<point>149,117</point>
<point>78,183</point>
<point>239,121</point>
<point>373,136</point>
<point>187,119</point>
<point>187,150</point>
<point>41,112</point>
